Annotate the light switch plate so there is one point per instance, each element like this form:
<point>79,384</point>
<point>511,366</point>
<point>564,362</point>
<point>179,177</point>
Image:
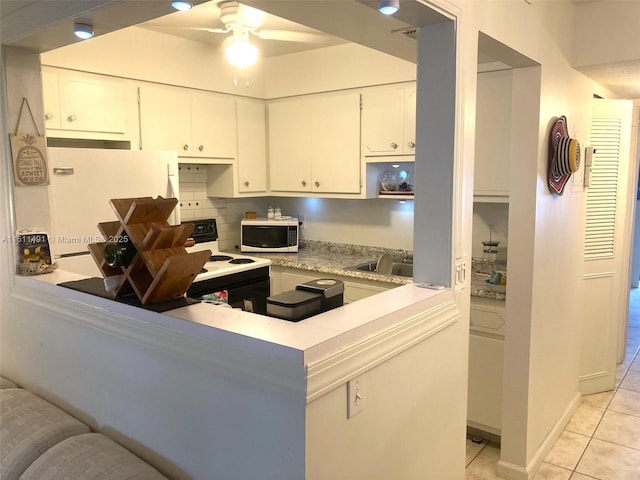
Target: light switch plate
<point>355,396</point>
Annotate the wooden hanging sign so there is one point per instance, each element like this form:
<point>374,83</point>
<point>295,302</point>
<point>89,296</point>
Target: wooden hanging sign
<point>29,153</point>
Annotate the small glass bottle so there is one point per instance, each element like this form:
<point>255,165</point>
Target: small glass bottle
<point>270,213</point>
<point>277,213</point>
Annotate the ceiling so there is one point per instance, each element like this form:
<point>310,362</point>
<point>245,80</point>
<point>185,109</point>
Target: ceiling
<point>191,25</point>
<point>341,21</point>
<point>622,78</point>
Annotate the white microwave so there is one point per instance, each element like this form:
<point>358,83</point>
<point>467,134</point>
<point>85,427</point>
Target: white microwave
<point>263,235</point>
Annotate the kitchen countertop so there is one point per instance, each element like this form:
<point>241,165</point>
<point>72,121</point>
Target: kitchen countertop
<point>313,338</point>
<point>334,258</point>
<point>481,271</point>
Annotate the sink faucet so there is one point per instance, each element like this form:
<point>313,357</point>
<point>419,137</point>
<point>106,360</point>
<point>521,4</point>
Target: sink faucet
<point>407,257</point>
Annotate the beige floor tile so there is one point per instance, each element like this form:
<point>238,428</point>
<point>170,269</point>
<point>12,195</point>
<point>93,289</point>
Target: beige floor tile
<point>552,472</point>
<point>635,366</point>
<point>621,371</point>
<point>484,465</point>
<point>567,450</point>
<point>579,476</point>
<point>600,400</point>
<point>607,461</point>
<point>585,420</point>
<point>631,381</point>
<point>619,428</point>
<point>626,401</point>
<point>473,449</point>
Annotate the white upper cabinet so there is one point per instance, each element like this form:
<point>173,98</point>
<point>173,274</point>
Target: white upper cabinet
<point>493,136</point>
<point>51,100</point>
<point>247,176</point>
<point>165,119</point>
<point>389,120</point>
<point>84,103</point>
<point>252,148</point>
<point>314,144</point>
<point>213,124</point>
<point>195,124</point>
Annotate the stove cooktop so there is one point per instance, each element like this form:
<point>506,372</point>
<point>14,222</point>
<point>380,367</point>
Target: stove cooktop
<point>223,263</point>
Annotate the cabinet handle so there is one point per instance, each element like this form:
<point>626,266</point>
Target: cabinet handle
<point>394,145</point>
<point>304,184</point>
<point>48,116</point>
<point>412,145</point>
<point>246,184</point>
<point>72,118</point>
<point>185,147</point>
<point>317,184</point>
<point>201,148</point>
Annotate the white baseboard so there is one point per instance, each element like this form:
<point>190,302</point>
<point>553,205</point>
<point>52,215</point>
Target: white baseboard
<point>511,471</point>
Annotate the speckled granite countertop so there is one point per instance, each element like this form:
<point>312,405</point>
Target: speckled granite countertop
<point>481,271</point>
<point>334,258</point>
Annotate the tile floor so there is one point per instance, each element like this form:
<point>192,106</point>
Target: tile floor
<point>602,440</point>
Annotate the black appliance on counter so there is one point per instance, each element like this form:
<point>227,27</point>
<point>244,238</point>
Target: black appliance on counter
<point>244,279</point>
<point>308,299</point>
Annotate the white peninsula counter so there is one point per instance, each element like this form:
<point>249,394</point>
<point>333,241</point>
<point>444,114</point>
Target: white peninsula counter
<point>205,391</point>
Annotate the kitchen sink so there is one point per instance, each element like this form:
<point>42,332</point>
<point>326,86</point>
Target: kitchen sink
<point>400,269</point>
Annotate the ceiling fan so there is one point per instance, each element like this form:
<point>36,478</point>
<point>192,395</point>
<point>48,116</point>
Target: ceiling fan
<point>243,22</point>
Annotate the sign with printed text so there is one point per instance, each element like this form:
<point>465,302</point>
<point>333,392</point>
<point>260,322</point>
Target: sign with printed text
<point>29,160</point>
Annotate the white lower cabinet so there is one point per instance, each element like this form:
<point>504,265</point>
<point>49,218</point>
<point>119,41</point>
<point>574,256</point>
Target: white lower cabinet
<point>285,279</point>
<point>486,364</point>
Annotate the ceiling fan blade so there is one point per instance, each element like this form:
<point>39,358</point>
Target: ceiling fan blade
<point>211,30</point>
<point>290,36</point>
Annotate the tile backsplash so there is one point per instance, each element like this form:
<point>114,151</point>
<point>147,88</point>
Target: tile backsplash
<point>195,205</point>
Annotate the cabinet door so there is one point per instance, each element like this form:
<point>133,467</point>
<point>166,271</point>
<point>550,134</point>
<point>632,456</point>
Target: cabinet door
<point>335,144</point>
<point>213,123</point>
<point>165,119</point>
<point>409,145</point>
<point>252,161</point>
<point>91,104</point>
<point>382,121</point>
<point>486,362</point>
<point>493,133</point>
<point>289,146</point>
<point>50,98</point>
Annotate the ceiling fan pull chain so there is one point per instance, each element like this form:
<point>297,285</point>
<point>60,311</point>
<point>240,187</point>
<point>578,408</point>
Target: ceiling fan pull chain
<point>247,82</point>
<point>235,77</point>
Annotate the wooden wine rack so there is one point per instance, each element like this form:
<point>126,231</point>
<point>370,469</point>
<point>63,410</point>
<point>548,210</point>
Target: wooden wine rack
<point>161,268</point>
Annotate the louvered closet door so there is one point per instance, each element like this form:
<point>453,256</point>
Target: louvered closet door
<point>605,261</point>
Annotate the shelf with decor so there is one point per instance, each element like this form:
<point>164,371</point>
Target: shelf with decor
<point>390,180</point>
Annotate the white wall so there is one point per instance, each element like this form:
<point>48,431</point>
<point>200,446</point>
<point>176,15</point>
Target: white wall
<point>542,351</point>
<point>143,54</point>
<point>343,66</point>
<point>401,397</point>
<point>545,234</point>
<point>595,42</point>
<point>373,222</point>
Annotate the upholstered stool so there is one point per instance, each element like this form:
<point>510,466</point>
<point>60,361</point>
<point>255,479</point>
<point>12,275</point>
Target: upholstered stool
<point>5,383</point>
<point>30,426</point>
<point>90,456</point>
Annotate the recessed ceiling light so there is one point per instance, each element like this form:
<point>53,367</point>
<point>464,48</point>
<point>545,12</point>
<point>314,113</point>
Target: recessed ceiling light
<point>182,5</point>
<point>388,7</point>
<point>83,30</point>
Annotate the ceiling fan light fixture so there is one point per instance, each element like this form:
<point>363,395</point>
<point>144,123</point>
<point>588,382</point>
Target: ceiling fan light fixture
<point>240,53</point>
<point>388,7</point>
<point>83,31</point>
<point>182,5</point>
